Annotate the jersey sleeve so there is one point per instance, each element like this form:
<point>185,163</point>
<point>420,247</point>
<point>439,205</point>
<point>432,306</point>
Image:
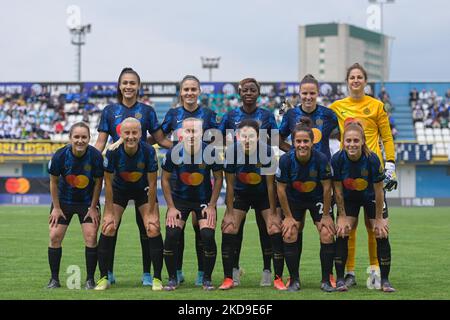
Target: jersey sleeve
<point>229,165</point>
<point>166,125</point>
<point>385,132</point>
<point>54,167</point>
<point>377,171</point>
<point>103,126</point>
<point>216,166</point>
<point>284,126</point>
<point>272,122</point>
<point>213,121</point>
<point>335,167</point>
<point>282,173</point>
<point>167,163</point>
<point>98,171</point>
<point>324,168</point>
<point>108,162</point>
<point>152,160</point>
<point>154,124</point>
<point>223,124</point>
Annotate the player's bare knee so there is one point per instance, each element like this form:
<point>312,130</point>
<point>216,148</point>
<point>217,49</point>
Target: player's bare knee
<point>291,236</point>
<point>110,231</point>
<point>273,229</point>
<point>326,236</point>
<point>153,231</point>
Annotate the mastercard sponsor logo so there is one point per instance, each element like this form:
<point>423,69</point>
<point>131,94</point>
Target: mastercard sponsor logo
<point>20,185</point>
<point>191,179</point>
<point>249,178</point>
<point>118,129</point>
<point>357,184</point>
<point>317,135</point>
<point>306,186</point>
<point>131,176</point>
<point>79,182</point>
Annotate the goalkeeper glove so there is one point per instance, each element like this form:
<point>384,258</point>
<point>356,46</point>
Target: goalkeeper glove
<point>390,180</point>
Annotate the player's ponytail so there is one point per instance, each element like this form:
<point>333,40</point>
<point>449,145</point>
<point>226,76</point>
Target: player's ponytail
<point>356,66</point>
<point>309,78</point>
<point>305,125</point>
<point>124,71</point>
<point>354,125</point>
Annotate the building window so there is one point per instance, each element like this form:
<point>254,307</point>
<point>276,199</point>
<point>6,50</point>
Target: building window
<point>322,39</point>
<point>322,61</point>
<point>321,71</point>
<point>322,50</point>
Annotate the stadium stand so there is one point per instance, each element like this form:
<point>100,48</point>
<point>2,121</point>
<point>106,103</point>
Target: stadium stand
<point>431,116</point>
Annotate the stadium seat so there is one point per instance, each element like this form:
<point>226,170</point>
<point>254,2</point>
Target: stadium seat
<point>429,138</point>
<point>419,125</point>
<point>438,138</point>
<point>421,139</point>
<point>437,131</point>
<point>428,132</point>
<point>445,132</point>
<point>420,131</point>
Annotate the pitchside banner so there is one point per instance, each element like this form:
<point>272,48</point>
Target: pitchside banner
<point>162,89</point>
<point>35,150</point>
<point>20,190</point>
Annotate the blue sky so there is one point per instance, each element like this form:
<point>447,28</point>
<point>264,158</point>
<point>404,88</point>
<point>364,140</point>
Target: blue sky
<point>163,40</point>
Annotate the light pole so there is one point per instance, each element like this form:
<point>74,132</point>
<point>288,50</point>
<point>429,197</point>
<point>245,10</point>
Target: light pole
<point>381,3</point>
<point>210,63</point>
<point>78,32</point>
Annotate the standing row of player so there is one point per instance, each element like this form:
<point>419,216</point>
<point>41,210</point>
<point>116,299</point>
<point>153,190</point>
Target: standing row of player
<point>134,166</point>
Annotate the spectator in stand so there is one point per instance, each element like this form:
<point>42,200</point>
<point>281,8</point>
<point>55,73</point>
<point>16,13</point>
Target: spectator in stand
<point>413,97</point>
<point>418,114</point>
<point>428,121</point>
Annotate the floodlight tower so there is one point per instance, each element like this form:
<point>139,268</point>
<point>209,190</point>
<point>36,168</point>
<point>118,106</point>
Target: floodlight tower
<point>78,32</point>
<point>210,63</point>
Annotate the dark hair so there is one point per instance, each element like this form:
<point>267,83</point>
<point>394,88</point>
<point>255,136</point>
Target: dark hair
<point>249,123</point>
<point>186,78</point>
<point>356,66</point>
<point>304,125</point>
<point>248,80</point>
<point>124,71</point>
<point>79,125</point>
<point>355,125</point>
<point>309,78</point>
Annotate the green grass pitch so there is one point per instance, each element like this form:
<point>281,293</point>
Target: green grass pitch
<point>420,239</point>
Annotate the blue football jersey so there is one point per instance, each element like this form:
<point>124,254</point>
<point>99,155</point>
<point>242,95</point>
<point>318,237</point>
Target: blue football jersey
<point>76,182</point>
<point>130,172</point>
<point>324,121</point>
<point>249,178</point>
<point>113,115</point>
<point>232,118</point>
<point>192,180</point>
<point>175,116</point>
<point>303,180</point>
<point>357,177</point>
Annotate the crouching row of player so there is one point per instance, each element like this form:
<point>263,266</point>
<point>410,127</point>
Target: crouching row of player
<point>304,179</point>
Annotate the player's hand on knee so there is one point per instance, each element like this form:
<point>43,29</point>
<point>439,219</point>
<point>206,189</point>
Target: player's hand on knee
<point>210,213</point>
<point>94,215</point>
<point>227,224</point>
<point>54,217</point>
<point>328,223</point>
<point>381,228</point>
<point>109,224</point>
<point>153,226</point>
<point>173,215</point>
<point>288,225</point>
<point>343,227</point>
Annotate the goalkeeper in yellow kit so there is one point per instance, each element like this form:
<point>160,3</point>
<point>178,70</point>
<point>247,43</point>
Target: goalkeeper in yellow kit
<point>371,114</point>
